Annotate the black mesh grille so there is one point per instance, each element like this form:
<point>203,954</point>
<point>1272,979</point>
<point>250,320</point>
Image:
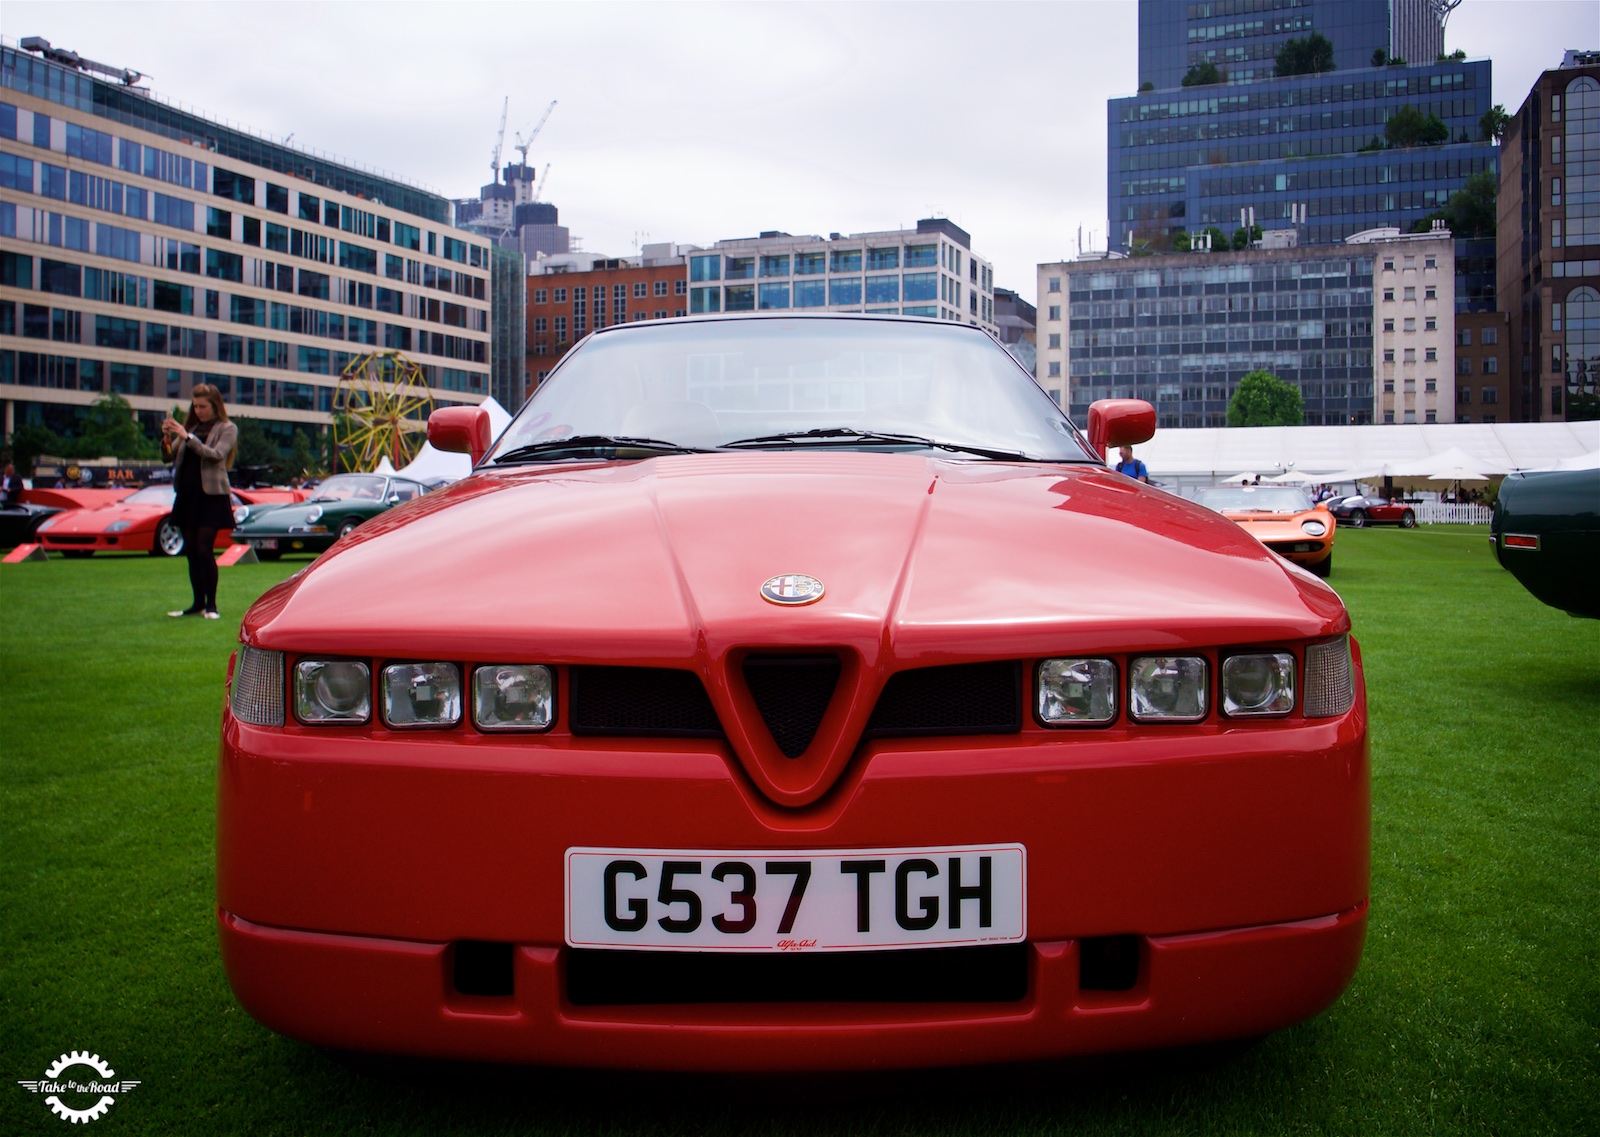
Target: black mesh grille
<point>641,701</point>
<point>792,693</point>
<point>964,698</point>
<point>994,974</point>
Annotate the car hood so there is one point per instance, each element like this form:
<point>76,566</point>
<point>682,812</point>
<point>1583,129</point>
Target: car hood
<point>660,563</point>
<point>664,559</point>
<point>96,520</point>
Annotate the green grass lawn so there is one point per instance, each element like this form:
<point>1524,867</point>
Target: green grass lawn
<point>1476,1008</point>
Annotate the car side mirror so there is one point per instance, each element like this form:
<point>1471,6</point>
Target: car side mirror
<point>460,430</point>
<point>1120,422</point>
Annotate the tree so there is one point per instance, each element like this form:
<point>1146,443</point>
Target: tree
<point>1471,210</point>
<point>1204,75</point>
<point>300,462</point>
<point>1459,55</point>
<point>29,441</point>
<point>1219,239</point>
<point>1410,127</point>
<point>1242,236</point>
<point>1262,399</point>
<point>1146,86</point>
<point>109,429</point>
<point>1305,56</point>
<point>256,447</point>
<point>1380,57</point>
<point>1492,126</point>
<point>1181,242</point>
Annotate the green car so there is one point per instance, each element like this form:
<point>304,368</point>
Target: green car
<point>334,508</point>
<point>1546,531</point>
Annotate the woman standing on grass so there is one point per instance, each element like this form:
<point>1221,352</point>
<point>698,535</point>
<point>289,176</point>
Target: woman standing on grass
<point>202,448</point>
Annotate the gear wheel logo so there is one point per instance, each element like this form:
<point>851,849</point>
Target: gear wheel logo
<point>89,1092</point>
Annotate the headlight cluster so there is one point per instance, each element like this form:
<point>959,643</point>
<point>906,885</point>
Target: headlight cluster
<point>1313,527</point>
<point>118,526</point>
<point>505,696</point>
<point>240,512</point>
<point>1177,688</point>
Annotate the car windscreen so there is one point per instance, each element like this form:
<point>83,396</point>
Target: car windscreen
<point>1258,499</point>
<point>350,486</point>
<point>704,384</point>
<point>150,495</point>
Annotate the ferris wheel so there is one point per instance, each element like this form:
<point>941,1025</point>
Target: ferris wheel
<point>380,409</point>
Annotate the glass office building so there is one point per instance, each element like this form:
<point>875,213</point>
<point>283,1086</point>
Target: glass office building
<point>1187,158</point>
<point>929,271</point>
<point>145,248</point>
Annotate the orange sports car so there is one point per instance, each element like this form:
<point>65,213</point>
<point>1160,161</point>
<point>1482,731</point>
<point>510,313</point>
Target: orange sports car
<point>1282,518</point>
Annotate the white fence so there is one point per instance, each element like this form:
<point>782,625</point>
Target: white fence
<point>1440,513</point>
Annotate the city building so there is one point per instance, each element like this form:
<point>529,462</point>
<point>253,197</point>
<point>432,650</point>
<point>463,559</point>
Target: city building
<point>1483,368</point>
<point>929,271</point>
<point>1306,149</point>
<point>145,248</point>
<point>1548,243</point>
<point>1413,325</point>
<point>1016,322</point>
<point>1181,330</point>
<point>572,294</point>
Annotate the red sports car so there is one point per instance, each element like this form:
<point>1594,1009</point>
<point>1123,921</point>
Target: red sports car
<point>140,523</point>
<point>792,693</point>
<point>1359,511</point>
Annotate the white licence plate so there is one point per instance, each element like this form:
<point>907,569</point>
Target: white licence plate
<point>263,542</point>
<point>796,900</point>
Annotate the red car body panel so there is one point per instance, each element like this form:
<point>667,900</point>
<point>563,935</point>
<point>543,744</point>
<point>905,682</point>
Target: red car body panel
<point>88,530</point>
<point>74,498</point>
<point>351,858</point>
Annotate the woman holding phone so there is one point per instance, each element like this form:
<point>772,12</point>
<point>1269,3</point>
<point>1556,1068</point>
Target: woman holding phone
<point>202,449</point>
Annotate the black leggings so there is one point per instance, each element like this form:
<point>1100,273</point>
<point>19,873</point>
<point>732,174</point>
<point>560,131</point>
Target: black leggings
<point>197,545</point>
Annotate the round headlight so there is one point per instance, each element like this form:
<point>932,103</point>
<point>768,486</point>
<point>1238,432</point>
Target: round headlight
<point>332,690</point>
<point>314,514</point>
<point>1313,527</point>
<point>1258,684</point>
<point>240,514</point>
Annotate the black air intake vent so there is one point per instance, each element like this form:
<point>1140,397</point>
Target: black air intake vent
<point>792,693</point>
<point>655,701</point>
<point>963,698</point>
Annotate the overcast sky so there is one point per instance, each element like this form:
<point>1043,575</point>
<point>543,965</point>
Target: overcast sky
<point>693,122</point>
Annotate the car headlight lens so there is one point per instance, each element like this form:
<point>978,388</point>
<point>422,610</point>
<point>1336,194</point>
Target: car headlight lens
<point>240,514</point>
<point>118,526</point>
<point>1077,692</point>
<point>513,696</point>
<point>1167,688</point>
<point>1258,684</point>
<point>421,694</point>
<point>332,690</point>
<point>1313,527</point>
<point>47,523</point>
<point>1330,679</point>
<point>257,694</point>
<point>313,514</point>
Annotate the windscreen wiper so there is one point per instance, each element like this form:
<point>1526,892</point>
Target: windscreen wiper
<point>844,435</point>
<point>587,445</point>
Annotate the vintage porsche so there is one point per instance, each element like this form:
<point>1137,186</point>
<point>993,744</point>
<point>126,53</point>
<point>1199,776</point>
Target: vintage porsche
<point>1282,518</point>
<point>792,693</point>
<point>328,512</point>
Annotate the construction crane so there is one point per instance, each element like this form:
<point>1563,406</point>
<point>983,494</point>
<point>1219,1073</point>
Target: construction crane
<point>499,140</point>
<point>544,177</point>
<point>523,143</point>
<point>127,75</point>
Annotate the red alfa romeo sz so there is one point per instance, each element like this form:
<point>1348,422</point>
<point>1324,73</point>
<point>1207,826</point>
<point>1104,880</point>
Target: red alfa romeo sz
<point>792,693</point>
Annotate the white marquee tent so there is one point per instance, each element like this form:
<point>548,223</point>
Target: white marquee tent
<point>1349,453</point>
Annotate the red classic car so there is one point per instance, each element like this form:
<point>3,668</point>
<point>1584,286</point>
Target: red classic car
<point>792,692</point>
<point>140,523</point>
<point>1282,518</point>
<point>1358,511</point>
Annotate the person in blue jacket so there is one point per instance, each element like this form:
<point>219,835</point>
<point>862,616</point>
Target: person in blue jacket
<point>1131,466</point>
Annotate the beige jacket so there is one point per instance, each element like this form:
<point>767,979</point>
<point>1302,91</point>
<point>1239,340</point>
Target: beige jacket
<point>212,455</point>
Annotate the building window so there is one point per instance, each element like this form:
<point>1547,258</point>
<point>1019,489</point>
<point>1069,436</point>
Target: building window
<point>1411,324</point>
<point>660,288</point>
<point>1410,292</point>
<point>1430,293</point>
<point>1388,325</point>
<point>561,296</point>
<point>639,292</point>
<point>770,296</point>
<point>540,325</point>
<point>1430,355</point>
<point>845,260</point>
<point>1055,284</point>
<point>541,295</point>
<point>1463,365</point>
<point>561,329</point>
<point>740,297</point>
<point>1464,395</point>
<point>1411,355</point>
<point>810,294</point>
<point>1430,416</point>
<point>1430,262</point>
<point>1464,337</point>
<point>1491,335</point>
<point>1055,370</point>
<point>1555,191</point>
<point>680,288</point>
<point>1388,355</point>
<point>705,268</point>
<point>1431,324</point>
<point>1054,312</point>
<point>814,264</point>
<point>1491,366</point>
<point>1388,295</point>
<point>1491,395</point>
<point>1055,341</point>
<point>1388,264</point>
<point>1555,233</point>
